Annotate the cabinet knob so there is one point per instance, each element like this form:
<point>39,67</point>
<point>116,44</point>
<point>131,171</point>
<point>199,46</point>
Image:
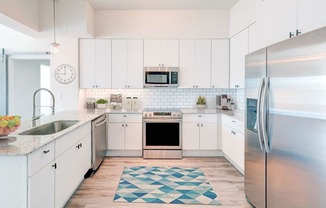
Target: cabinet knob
<point>126,125</point>
<point>201,125</point>
<point>233,121</point>
<point>212,86</point>
<point>46,151</point>
<point>198,125</point>
<point>298,32</point>
<point>291,34</point>
<point>54,165</point>
<point>196,86</point>
<point>122,125</point>
<point>237,86</point>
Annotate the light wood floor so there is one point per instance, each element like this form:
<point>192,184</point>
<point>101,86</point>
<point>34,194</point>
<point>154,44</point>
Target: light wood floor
<point>98,191</point>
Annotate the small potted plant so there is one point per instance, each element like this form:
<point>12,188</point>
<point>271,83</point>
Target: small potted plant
<point>101,103</point>
<point>201,102</point>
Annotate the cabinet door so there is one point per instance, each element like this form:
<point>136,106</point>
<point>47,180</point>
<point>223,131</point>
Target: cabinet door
<point>279,18</point>
<point>238,156</point>
<point>220,63</point>
<point>116,136</point>
<point>41,188</point>
<point>311,15</point>
<point>84,156</point>
<point>152,53</point>
<point>65,176</point>
<point>135,63</point>
<point>208,136</point>
<point>203,63</point>
<point>133,136</point>
<point>170,53</point>
<point>87,63</point>
<point>227,144</point>
<point>103,63</point>
<point>190,136</point>
<point>187,63</point>
<point>119,63</point>
<point>239,48</point>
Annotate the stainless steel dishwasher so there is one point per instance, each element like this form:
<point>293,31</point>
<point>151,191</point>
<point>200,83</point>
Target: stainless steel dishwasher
<point>99,141</point>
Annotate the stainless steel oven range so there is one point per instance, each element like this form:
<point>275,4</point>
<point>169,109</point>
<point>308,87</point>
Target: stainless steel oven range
<point>162,134</point>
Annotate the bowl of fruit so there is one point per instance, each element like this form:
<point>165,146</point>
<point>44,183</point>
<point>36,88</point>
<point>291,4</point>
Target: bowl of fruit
<point>8,124</point>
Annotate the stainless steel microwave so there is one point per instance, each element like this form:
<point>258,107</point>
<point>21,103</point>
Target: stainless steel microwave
<point>161,77</point>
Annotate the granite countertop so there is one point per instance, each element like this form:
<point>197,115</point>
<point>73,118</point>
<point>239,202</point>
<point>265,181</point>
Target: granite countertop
<point>26,144</point>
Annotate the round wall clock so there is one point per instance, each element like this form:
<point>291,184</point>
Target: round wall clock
<point>65,73</point>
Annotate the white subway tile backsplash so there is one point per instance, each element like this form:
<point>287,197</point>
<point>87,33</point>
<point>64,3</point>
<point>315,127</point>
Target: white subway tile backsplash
<point>171,97</point>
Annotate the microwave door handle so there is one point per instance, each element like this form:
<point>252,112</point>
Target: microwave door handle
<point>258,118</point>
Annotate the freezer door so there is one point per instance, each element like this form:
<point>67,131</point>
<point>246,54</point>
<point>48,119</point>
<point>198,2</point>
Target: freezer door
<point>254,151</point>
<point>297,125</point>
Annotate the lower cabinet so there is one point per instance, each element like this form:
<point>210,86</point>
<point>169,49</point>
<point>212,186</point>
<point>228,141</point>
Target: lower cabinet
<point>125,132</point>
<point>41,188</point>
<point>56,170</point>
<point>233,142</point>
<point>70,169</point>
<point>199,132</point>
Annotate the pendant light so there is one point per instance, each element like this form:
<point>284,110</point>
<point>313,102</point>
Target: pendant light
<point>54,46</point>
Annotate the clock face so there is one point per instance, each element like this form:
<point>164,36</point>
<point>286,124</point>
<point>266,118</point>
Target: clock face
<point>65,73</point>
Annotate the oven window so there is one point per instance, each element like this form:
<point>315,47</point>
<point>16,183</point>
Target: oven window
<point>162,134</point>
<point>157,78</point>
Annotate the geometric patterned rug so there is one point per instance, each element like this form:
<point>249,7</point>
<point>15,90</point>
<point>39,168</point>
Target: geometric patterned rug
<point>170,185</point>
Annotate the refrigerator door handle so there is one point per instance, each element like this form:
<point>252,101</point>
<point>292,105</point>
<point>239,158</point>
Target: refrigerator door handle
<point>265,111</point>
<point>259,126</point>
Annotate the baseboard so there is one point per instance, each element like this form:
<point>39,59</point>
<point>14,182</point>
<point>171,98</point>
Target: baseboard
<point>124,153</point>
<point>234,164</point>
<point>202,153</point>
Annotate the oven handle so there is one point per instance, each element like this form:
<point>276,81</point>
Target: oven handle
<point>162,120</point>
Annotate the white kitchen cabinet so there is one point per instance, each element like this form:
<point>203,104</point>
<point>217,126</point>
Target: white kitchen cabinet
<point>70,169</point>
<point>220,63</point>
<point>195,63</point>
<point>161,52</point>
<point>233,141</point>
<point>280,18</point>
<point>199,132</point>
<point>125,132</point>
<point>41,177</point>
<point>239,48</point>
<point>127,63</point>
<point>95,63</point>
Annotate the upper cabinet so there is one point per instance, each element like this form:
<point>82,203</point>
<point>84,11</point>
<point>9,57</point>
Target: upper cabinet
<point>95,63</point>
<point>288,18</point>
<point>239,48</point>
<point>127,63</point>
<point>195,63</point>
<point>220,63</point>
<point>161,53</point>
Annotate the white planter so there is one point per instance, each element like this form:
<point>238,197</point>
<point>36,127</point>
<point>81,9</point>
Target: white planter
<point>100,105</point>
<point>201,106</point>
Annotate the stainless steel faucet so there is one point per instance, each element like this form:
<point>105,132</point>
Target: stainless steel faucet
<point>34,118</point>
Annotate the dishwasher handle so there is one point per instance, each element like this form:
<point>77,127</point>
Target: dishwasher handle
<point>101,123</point>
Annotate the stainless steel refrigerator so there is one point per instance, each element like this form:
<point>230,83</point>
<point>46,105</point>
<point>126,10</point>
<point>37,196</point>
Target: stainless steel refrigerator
<point>285,139</point>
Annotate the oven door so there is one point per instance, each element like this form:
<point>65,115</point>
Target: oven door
<point>162,134</point>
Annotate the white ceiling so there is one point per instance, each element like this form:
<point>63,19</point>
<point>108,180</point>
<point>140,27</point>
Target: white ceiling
<point>161,4</point>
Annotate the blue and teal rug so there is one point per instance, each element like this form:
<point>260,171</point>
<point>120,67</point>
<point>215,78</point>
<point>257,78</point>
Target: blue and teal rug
<point>170,185</point>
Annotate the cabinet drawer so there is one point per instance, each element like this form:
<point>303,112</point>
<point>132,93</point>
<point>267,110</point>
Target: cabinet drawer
<point>233,123</point>
<point>62,144</point>
<point>210,118</point>
<point>40,158</point>
<point>113,118</point>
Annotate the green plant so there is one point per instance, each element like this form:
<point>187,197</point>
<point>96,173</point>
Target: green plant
<point>201,100</point>
<point>101,101</point>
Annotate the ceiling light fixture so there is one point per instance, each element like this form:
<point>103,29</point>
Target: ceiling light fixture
<point>54,46</point>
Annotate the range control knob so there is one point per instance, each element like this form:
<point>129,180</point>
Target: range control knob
<point>179,114</point>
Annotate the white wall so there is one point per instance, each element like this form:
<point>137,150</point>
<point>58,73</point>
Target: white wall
<point>162,24</point>
<point>66,94</point>
<point>22,15</point>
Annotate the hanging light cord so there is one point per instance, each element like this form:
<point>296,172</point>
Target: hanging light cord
<point>54,20</point>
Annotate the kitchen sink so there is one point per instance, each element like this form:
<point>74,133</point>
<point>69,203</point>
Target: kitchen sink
<point>49,128</point>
